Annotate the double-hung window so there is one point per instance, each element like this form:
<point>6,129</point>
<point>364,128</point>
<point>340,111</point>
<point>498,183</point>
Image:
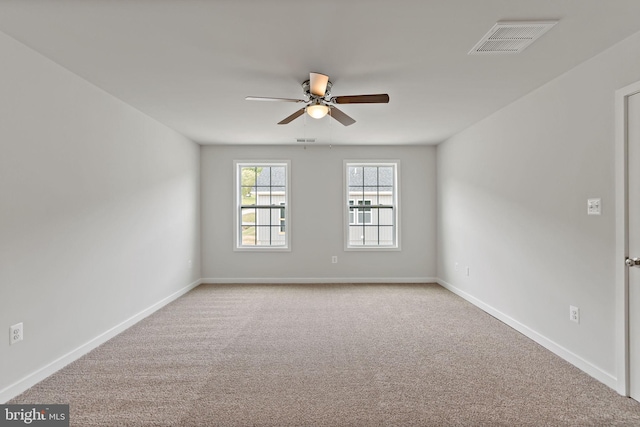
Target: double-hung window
<point>371,205</point>
<point>262,205</point>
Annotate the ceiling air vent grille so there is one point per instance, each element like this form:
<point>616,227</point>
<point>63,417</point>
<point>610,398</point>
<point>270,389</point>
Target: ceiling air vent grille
<point>511,37</point>
<point>305,140</point>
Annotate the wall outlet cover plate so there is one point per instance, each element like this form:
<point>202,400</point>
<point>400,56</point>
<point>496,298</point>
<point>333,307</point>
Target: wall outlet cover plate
<point>594,207</point>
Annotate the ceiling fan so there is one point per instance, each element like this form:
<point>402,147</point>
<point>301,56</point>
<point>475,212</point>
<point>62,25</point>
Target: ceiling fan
<point>318,100</point>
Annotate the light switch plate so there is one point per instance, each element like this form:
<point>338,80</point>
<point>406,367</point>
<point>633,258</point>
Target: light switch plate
<point>594,207</point>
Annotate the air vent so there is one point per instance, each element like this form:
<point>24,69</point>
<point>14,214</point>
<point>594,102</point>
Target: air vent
<point>511,37</point>
<point>306,140</point>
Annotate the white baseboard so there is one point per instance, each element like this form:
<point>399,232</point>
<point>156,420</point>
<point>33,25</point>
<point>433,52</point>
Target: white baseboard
<point>550,345</point>
<point>303,280</point>
<point>32,379</point>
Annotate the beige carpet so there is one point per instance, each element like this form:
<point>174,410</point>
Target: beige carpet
<point>327,355</point>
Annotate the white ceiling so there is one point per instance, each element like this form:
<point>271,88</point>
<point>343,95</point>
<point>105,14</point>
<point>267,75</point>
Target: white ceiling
<point>189,64</point>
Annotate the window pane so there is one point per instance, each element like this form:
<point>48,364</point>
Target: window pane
<point>385,216</point>
<point>278,176</point>
<point>277,236</point>
<point>263,196</point>
<point>356,176</point>
<point>385,175</point>
<point>248,216</point>
<point>371,176</point>
<point>264,236</point>
<point>248,177</point>
<point>248,195</point>
<point>370,236</point>
<point>263,217</point>
<point>356,234</point>
<point>263,176</point>
<point>248,235</point>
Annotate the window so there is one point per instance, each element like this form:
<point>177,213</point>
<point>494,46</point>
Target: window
<point>371,200</point>
<point>262,203</point>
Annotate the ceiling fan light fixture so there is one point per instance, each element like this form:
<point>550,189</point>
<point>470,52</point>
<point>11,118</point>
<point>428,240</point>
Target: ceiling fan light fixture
<point>317,111</point>
<point>319,102</point>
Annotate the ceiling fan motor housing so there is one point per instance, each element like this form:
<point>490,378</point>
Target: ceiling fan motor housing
<point>306,89</point>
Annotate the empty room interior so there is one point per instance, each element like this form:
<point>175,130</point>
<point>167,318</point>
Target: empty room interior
<point>169,199</point>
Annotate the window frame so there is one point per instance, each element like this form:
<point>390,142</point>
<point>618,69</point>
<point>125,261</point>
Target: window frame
<point>354,198</point>
<point>279,207</point>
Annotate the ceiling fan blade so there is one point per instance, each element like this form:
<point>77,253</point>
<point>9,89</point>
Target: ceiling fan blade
<point>261,98</point>
<point>318,83</point>
<point>381,98</point>
<point>292,117</point>
<point>340,116</point>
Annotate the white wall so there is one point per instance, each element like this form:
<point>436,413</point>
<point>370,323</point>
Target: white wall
<point>99,213</point>
<point>317,231</point>
<point>512,206</point>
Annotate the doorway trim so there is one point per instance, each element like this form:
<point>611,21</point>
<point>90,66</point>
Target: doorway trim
<point>622,228</point>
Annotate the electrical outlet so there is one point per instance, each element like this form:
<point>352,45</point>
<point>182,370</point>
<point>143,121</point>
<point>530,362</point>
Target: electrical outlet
<point>468,271</point>
<point>594,206</point>
<point>456,267</point>
<point>334,259</point>
<point>190,263</point>
<point>574,314</point>
<point>16,333</point>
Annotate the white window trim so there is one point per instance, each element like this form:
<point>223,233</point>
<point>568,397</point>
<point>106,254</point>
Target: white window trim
<point>237,230</point>
<point>346,198</point>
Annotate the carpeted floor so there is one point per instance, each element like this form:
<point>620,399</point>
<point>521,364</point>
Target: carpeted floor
<point>327,355</point>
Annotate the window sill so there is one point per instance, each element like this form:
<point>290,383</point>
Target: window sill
<point>372,248</point>
<point>262,249</point>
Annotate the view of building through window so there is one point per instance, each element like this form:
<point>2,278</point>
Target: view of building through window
<point>262,206</point>
<point>372,204</point>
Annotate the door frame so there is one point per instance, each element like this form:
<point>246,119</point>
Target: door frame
<point>622,242</point>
